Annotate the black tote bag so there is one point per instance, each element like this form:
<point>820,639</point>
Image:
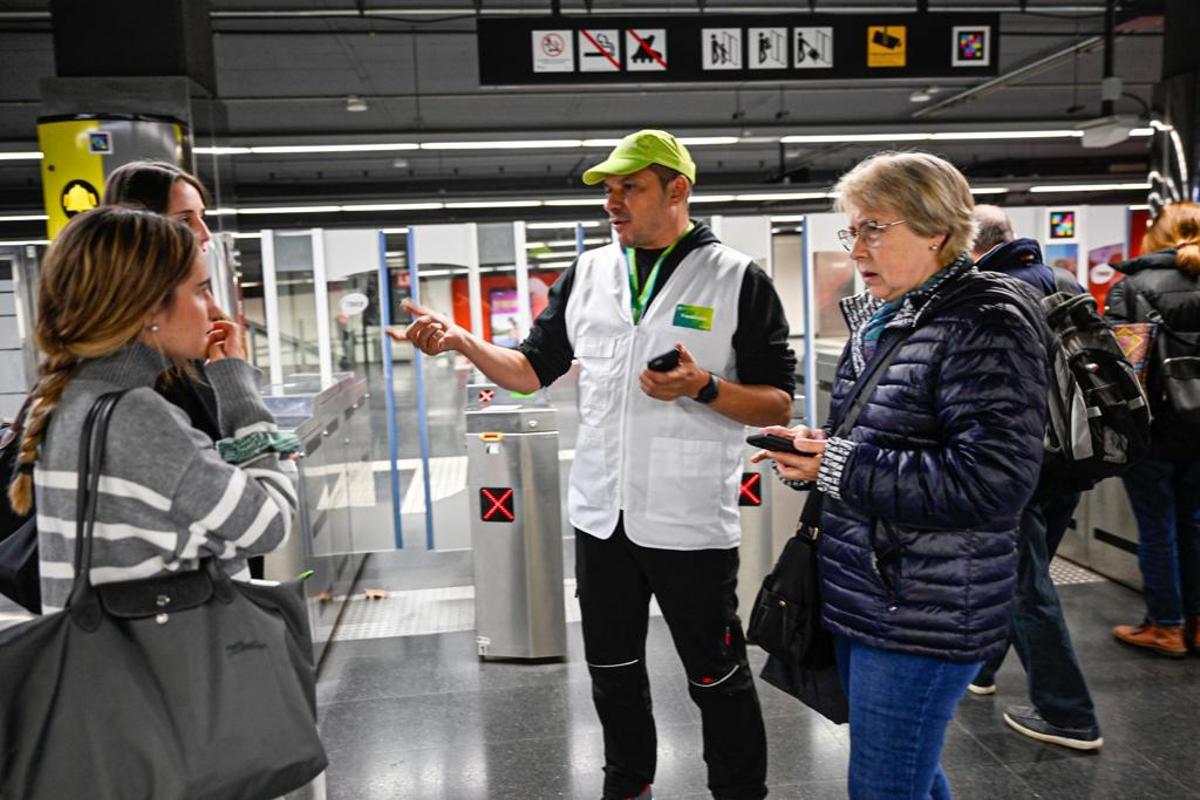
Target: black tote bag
<point>182,686</point>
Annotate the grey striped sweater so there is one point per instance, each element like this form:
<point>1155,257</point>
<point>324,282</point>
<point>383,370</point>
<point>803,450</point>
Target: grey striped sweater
<point>166,497</point>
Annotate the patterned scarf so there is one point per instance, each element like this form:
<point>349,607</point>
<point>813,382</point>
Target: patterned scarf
<point>868,317</point>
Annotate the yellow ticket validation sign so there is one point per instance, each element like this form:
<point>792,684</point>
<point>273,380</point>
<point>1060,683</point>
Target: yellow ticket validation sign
<point>72,175</point>
<point>887,45</point>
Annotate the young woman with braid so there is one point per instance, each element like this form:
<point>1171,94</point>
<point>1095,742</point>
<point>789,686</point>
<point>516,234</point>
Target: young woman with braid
<point>124,295</point>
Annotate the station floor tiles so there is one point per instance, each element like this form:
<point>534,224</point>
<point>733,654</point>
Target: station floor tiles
<point>418,717</point>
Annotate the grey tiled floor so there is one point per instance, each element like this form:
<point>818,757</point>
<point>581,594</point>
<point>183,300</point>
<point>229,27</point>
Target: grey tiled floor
<point>421,718</point>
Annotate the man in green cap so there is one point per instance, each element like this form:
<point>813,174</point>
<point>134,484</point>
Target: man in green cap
<point>658,458</point>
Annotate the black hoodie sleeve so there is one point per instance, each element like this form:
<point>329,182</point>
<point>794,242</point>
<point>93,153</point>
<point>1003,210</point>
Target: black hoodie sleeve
<point>548,347</point>
<point>760,343</point>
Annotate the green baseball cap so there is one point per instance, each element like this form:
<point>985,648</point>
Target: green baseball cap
<point>638,151</point>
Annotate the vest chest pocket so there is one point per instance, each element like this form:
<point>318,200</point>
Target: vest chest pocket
<point>686,485</point>
<point>597,389</point>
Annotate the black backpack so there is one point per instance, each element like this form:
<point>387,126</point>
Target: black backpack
<point>19,573</point>
<point>1098,416</point>
<point>1173,377</point>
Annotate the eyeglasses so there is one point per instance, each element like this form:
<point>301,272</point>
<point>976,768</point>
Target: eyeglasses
<point>871,232</point>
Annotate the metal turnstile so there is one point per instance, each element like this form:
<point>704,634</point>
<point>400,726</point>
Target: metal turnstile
<point>516,532</point>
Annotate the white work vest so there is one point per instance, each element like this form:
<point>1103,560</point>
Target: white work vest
<point>674,467</point>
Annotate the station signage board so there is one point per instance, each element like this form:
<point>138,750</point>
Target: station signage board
<point>735,48</point>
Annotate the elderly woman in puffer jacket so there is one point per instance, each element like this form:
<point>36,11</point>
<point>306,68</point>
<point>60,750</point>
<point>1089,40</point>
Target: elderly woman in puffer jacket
<point>919,525</point>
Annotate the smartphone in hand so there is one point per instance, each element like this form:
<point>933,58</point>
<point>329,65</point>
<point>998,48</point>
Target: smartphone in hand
<point>664,363</point>
<point>775,444</point>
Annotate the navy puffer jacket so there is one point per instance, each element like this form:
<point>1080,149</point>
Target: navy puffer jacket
<point>918,554</point>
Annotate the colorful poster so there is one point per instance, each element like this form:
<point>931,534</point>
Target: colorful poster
<point>505,327</point>
<point>1063,255</point>
<point>1101,275</point>
<point>1062,224</point>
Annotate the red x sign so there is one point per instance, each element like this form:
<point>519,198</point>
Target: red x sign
<point>487,395</point>
<point>750,493</point>
<point>496,505</point>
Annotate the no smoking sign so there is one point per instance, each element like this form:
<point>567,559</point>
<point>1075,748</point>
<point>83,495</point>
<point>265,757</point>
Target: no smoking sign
<point>553,51</point>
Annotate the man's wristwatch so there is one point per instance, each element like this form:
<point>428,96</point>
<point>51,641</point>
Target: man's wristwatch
<point>709,392</point>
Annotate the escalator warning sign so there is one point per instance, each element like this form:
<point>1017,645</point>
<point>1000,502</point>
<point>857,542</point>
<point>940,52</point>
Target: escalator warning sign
<point>887,45</point>
<point>78,196</point>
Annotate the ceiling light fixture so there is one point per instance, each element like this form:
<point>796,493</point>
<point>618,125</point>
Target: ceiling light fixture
<point>356,104</point>
<point>27,155</point>
<point>519,144</point>
<point>24,218</point>
<point>989,189</point>
<point>544,226</point>
<point>1090,187</point>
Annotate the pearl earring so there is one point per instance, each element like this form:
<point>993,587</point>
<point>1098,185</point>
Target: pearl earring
<point>154,327</point>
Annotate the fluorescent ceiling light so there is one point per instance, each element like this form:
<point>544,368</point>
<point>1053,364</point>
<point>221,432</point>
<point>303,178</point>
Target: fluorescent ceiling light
<point>332,148</point>
<point>24,218</point>
<point>23,242</point>
<point>712,198</point>
<point>393,207</point>
<point>701,141</point>
<point>220,212</point>
<point>941,136</point>
<point>531,144</point>
<point>28,155</point>
<point>497,204</point>
<point>395,230</point>
<point>544,226</point>
<point>834,138</point>
<point>789,218</point>
<point>1139,207</point>
<point>556,265</point>
<point>247,235</point>
<point>563,243</point>
<point>963,136</point>
<point>222,151</point>
<point>760,197</point>
<point>1091,187</point>
<point>989,189</point>
<point>601,142</point>
<point>577,201</point>
<point>290,210</point>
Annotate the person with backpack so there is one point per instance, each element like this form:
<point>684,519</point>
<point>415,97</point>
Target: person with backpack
<point>1061,710</point>
<point>918,534</point>
<point>1162,286</point>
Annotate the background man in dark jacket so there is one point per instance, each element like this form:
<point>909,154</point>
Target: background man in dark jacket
<point>1062,711</point>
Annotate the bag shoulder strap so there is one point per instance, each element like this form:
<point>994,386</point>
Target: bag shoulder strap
<point>91,457</point>
<point>866,384</point>
<point>810,517</point>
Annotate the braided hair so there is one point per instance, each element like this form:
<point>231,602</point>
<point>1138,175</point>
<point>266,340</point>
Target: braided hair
<point>105,274</point>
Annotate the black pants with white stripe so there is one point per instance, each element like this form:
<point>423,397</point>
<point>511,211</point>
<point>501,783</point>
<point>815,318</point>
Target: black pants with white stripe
<point>696,591</point>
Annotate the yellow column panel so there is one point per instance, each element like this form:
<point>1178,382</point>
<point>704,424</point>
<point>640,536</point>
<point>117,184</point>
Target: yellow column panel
<point>72,175</point>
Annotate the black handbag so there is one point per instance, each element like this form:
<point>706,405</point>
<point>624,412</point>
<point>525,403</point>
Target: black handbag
<point>786,618</point>
<point>188,685</point>
<point>20,579</point>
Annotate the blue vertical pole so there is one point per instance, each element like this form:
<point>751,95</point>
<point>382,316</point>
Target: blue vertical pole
<point>579,238</point>
<point>810,330</point>
<point>419,370</point>
<point>389,391</point>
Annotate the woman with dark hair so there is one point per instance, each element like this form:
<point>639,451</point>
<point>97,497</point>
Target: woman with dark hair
<point>163,188</point>
<point>1164,489</point>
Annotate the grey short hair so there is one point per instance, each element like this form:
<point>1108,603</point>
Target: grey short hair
<point>928,192</point>
<point>995,228</point>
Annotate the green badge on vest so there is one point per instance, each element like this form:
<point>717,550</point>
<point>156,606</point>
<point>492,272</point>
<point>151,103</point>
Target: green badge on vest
<point>697,317</point>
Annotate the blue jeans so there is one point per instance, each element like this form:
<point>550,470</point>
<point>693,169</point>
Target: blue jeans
<point>1057,688</point>
<point>1165,496</point>
<point>900,707</point>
